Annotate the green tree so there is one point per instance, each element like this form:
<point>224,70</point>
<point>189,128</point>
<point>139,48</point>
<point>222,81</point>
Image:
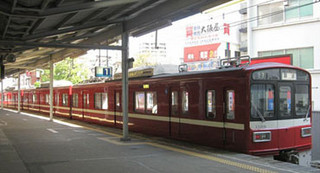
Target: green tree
<point>67,70</point>
<point>142,60</point>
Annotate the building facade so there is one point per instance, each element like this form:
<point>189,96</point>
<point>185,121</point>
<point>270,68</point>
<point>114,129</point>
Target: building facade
<point>276,27</point>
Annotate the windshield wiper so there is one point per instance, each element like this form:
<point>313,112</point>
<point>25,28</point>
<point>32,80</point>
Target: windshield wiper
<point>258,112</point>
<point>305,118</point>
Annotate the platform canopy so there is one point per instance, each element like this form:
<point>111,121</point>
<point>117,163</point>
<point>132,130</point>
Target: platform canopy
<point>33,30</point>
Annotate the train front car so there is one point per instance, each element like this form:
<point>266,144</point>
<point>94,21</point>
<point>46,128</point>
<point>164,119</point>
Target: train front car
<point>280,112</point>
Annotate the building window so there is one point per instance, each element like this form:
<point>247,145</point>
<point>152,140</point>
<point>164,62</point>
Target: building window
<point>185,102</point>
<point>211,104</point>
<point>301,57</point>
<point>75,100</point>
<point>64,99</point>
<point>204,55</point>
<point>298,8</point>
<point>270,13</point>
<point>190,56</point>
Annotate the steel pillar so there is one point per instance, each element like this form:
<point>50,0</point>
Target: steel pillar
<point>51,89</point>
<point>2,96</point>
<point>125,54</point>
<point>19,93</point>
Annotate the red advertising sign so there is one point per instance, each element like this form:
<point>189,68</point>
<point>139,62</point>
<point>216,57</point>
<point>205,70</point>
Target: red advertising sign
<point>284,59</point>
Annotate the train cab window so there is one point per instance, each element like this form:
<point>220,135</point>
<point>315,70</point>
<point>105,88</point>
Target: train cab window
<point>285,101</point>
<point>262,101</point>
<point>230,104</point>
<point>75,100</point>
<point>185,102</point>
<point>174,103</point>
<point>211,104</point>
<point>140,102</point>
<point>152,106</point>
<point>302,100</point>
<point>64,99</point>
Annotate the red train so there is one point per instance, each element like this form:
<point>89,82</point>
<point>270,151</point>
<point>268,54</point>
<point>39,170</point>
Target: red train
<point>261,109</point>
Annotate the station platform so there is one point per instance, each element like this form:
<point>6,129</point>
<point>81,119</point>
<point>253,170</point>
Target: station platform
<point>31,143</point>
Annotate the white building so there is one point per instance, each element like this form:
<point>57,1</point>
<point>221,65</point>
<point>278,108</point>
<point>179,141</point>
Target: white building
<point>278,27</point>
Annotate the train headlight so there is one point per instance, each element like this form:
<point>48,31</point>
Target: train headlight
<point>305,132</point>
<point>262,136</point>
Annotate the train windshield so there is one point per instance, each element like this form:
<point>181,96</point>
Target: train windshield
<point>279,94</point>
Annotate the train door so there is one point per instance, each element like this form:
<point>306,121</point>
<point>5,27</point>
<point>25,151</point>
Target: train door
<point>174,115</point>
<point>229,117</point>
<point>286,137</point>
<point>85,102</point>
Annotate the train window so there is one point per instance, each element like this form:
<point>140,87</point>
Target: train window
<point>262,101</point>
<point>57,99</point>
<point>140,102</point>
<point>47,98</point>
<point>34,98</point>
<point>64,99</point>
<point>97,100</point>
<point>152,106</point>
<point>75,100</point>
<point>285,101</point>
<point>104,97</point>
<point>211,104</point>
<point>101,100</point>
<point>85,100</point>
<point>185,102</point>
<point>230,106</point>
<point>302,100</point>
<point>174,103</point>
<point>118,100</point>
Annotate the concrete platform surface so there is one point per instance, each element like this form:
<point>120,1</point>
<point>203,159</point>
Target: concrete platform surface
<point>30,143</point>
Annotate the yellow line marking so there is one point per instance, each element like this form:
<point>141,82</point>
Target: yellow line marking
<point>190,153</point>
<point>213,158</point>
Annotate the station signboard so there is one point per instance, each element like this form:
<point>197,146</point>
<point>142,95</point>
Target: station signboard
<point>103,72</point>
